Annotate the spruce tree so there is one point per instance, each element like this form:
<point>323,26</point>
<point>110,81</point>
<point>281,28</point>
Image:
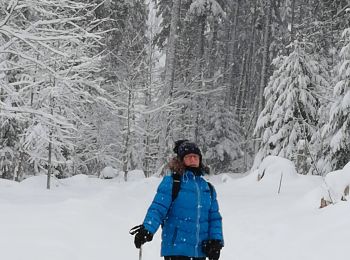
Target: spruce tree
<point>290,115</point>
<point>338,126</point>
<point>221,141</point>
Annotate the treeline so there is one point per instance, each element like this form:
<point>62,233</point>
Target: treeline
<point>90,83</point>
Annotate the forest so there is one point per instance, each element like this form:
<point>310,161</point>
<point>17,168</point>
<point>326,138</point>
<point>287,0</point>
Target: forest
<point>86,84</point>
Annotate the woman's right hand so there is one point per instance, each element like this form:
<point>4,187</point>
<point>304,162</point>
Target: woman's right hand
<point>142,235</point>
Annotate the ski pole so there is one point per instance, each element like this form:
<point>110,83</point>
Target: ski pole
<point>133,231</point>
<point>140,253</point>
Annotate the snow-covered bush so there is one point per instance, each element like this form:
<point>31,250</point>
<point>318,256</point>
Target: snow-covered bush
<point>336,186</point>
<point>273,167</point>
<point>109,173</point>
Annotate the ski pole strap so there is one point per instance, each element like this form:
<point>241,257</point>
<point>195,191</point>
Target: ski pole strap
<point>135,230</point>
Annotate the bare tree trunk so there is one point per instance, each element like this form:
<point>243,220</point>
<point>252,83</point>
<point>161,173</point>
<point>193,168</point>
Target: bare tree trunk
<point>170,68</point>
<point>251,68</point>
<point>239,100</point>
<point>171,45</point>
<point>18,173</point>
<point>265,65</point>
<point>49,164</point>
<point>212,64</point>
<point>148,100</point>
<point>147,138</point>
<point>199,73</point>
<point>250,96</point>
<point>230,67</point>
<point>266,61</point>
<point>127,137</point>
<point>292,22</point>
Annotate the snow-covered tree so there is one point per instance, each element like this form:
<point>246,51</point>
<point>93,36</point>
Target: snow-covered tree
<point>290,115</point>
<point>96,145</point>
<point>52,68</point>
<point>128,63</point>
<point>221,142</point>
<point>12,124</point>
<point>338,126</point>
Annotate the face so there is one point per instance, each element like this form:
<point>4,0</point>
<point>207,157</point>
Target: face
<point>191,160</point>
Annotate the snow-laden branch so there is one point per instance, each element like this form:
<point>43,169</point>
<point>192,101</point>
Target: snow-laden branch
<point>11,9</point>
<point>58,120</point>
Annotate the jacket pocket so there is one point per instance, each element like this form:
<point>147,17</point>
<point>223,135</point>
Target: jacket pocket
<point>174,236</point>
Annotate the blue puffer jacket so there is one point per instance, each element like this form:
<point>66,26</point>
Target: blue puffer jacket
<point>192,218</point>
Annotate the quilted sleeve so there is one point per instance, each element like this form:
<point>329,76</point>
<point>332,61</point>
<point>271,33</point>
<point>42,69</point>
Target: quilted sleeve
<point>160,205</point>
<point>215,220</point>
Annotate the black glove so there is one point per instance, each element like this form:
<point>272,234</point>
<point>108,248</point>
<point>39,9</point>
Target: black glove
<point>212,248</point>
<point>142,235</point>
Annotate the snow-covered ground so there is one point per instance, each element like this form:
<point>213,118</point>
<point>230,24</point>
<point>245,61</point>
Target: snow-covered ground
<point>84,218</point>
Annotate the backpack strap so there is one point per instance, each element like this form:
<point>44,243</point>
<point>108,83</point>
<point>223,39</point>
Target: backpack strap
<point>211,187</point>
<point>176,185</point>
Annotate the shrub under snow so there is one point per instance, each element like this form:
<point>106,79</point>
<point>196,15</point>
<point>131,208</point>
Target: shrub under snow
<point>337,185</point>
<point>109,173</point>
<point>273,167</point>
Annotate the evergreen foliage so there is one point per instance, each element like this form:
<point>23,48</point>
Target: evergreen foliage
<point>338,126</point>
<point>290,116</point>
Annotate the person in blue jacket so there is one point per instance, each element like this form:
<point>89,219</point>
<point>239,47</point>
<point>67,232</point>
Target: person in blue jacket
<point>191,223</point>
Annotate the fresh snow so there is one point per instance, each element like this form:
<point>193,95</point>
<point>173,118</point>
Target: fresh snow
<point>87,218</point>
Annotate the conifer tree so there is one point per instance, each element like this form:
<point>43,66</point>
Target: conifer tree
<point>338,126</point>
<point>221,142</point>
<point>289,117</point>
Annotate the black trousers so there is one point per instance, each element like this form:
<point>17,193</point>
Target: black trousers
<point>183,258</point>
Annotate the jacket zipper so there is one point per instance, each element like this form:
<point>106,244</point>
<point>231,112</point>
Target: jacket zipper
<point>174,236</point>
<point>198,216</point>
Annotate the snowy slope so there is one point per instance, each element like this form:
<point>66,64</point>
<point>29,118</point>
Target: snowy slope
<point>85,218</point>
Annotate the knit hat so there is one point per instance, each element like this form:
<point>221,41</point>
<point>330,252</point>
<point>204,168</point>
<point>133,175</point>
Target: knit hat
<point>177,144</point>
<point>187,147</point>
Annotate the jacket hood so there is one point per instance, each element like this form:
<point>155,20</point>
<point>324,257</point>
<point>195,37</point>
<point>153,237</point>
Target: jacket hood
<point>176,166</point>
